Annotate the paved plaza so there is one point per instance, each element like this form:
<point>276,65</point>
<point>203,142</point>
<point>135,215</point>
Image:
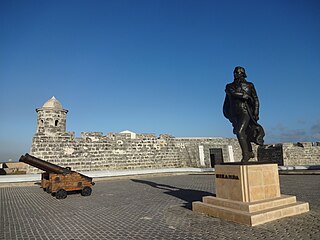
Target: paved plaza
<point>146,207</point>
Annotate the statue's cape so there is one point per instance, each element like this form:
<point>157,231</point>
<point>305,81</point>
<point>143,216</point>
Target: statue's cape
<point>254,132</point>
<point>226,108</point>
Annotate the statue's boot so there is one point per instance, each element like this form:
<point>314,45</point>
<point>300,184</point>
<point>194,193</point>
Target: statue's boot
<point>246,149</point>
<point>251,154</point>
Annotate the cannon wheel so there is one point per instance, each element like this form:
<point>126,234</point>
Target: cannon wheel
<point>86,191</point>
<point>48,190</point>
<point>61,194</point>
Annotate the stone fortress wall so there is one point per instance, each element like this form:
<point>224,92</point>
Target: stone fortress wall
<point>94,151</point>
<point>128,150</point>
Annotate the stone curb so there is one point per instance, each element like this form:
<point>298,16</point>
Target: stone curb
<point>283,170</point>
<point>103,174</point>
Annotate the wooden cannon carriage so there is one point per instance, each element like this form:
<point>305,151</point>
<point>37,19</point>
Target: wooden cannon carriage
<point>58,180</point>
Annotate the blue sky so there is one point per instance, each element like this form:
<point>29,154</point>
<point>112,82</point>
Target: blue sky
<point>157,66</point>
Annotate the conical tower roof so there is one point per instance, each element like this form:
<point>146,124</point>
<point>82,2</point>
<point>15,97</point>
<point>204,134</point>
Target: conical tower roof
<point>53,103</point>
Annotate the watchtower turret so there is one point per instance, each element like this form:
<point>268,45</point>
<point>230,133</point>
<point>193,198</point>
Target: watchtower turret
<point>51,118</point>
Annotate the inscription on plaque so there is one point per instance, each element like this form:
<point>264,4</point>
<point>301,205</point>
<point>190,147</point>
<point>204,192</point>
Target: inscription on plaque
<point>227,176</point>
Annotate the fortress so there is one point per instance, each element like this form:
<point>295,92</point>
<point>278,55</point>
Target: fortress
<point>124,150</point>
<point>128,150</point>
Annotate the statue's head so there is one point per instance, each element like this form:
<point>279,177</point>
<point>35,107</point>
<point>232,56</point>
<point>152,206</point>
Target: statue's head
<point>239,72</point>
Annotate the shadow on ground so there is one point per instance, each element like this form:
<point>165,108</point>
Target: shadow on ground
<point>187,195</point>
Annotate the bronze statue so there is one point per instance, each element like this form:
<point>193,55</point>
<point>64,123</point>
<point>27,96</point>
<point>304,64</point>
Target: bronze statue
<point>241,107</point>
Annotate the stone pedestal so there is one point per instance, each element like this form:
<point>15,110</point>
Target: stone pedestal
<point>249,194</point>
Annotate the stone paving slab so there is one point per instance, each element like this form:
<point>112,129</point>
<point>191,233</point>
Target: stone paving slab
<point>146,208</point>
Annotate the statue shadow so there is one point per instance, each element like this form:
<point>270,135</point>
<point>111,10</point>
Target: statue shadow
<point>187,195</point>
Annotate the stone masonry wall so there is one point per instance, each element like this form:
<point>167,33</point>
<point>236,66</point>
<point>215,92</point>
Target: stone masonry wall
<point>191,149</point>
<point>51,121</point>
<point>127,150</point>
<point>94,151</point>
<point>302,153</point>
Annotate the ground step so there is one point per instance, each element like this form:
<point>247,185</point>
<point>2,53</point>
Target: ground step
<point>250,206</point>
<point>242,215</point>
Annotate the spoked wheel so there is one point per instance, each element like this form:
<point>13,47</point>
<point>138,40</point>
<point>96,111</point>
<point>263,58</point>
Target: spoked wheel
<point>86,191</point>
<point>61,194</point>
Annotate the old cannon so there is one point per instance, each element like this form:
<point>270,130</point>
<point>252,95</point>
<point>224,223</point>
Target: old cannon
<point>59,180</point>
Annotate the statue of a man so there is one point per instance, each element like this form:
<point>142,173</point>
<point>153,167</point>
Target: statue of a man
<point>241,107</point>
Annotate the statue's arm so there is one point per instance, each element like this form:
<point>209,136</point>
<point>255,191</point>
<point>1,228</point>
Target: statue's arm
<point>237,94</point>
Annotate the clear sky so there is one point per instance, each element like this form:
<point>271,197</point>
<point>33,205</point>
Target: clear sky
<point>157,66</point>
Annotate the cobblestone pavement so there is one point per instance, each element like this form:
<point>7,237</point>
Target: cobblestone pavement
<point>146,208</point>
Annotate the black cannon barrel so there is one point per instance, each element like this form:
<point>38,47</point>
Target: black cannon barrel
<point>43,165</point>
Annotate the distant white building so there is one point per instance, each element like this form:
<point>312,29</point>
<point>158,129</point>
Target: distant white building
<point>133,134</point>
